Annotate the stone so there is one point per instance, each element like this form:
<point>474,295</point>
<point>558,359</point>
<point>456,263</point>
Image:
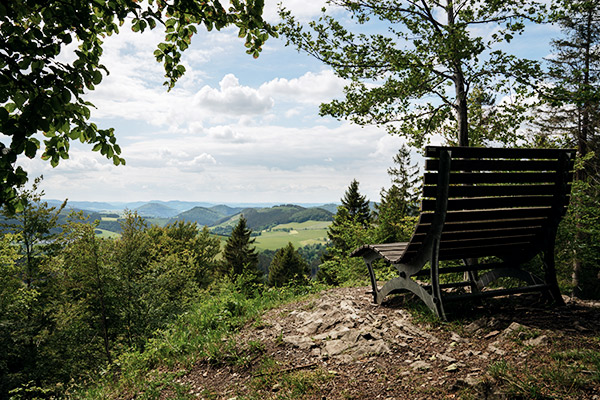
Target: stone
<point>541,340</point>
<point>492,347</point>
<point>513,327</point>
<point>299,341</point>
<point>475,326</point>
<point>491,334</point>
<point>446,358</point>
<point>452,367</point>
<point>456,338</point>
<point>420,365</point>
<point>335,347</point>
<point>312,327</point>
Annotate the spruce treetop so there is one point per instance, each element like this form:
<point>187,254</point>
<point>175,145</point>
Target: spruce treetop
<point>356,204</point>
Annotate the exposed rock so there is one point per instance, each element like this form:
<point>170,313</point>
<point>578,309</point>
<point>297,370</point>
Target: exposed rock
<point>475,326</point>
<point>491,334</point>
<point>513,327</point>
<point>541,340</point>
<point>300,341</point>
<point>420,365</point>
<point>493,348</point>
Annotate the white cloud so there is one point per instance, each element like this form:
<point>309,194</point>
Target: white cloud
<point>311,88</point>
<point>233,99</point>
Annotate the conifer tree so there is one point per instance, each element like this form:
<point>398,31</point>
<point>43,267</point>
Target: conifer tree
<point>398,202</point>
<point>357,204</point>
<point>405,177</point>
<point>287,266</point>
<point>239,254</point>
<point>571,114</point>
<point>573,100</point>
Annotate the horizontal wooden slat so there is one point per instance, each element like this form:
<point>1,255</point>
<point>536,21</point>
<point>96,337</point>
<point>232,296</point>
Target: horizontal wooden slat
<point>486,233</point>
<point>490,215</point>
<point>478,246</point>
<point>431,178</point>
<point>495,165</point>
<point>491,202</point>
<point>492,190</point>
<point>497,152</point>
<point>485,225</point>
<point>498,250</point>
<point>390,251</point>
<point>485,242</point>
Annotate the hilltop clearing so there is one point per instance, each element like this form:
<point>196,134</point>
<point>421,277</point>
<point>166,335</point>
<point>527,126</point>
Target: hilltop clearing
<point>338,345</point>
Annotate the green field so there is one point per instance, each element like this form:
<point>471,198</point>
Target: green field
<point>298,233</point>
<point>107,234</point>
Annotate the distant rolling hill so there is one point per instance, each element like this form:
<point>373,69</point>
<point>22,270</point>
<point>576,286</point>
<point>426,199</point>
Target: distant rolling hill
<point>331,207</point>
<point>226,210</point>
<point>200,215</point>
<point>156,210</point>
<point>263,218</point>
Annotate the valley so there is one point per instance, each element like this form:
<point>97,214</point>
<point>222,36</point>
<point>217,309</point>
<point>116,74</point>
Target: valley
<point>273,227</point>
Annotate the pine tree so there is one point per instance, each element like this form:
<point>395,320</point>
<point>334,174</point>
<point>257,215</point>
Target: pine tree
<point>240,257</point>
<point>573,101</point>
<point>357,204</point>
<point>405,177</point>
<point>571,114</point>
<point>287,266</point>
<point>398,203</point>
<point>351,228</point>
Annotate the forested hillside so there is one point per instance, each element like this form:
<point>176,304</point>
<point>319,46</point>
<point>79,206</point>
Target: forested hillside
<point>259,219</point>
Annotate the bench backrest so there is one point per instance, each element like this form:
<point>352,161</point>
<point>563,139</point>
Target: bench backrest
<point>500,202</point>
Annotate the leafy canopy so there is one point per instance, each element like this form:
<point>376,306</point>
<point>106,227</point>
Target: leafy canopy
<point>416,79</point>
<point>40,92</point>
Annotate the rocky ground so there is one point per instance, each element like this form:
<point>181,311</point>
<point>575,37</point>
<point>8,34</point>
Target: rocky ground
<point>338,345</point>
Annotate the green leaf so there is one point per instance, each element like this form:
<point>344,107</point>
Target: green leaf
<point>97,78</point>
<point>19,99</point>
<point>4,115</point>
<point>31,148</point>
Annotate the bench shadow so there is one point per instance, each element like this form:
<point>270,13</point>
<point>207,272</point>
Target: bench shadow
<point>531,310</point>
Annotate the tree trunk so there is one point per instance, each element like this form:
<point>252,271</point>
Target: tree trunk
<point>460,106</point>
<point>582,149</point>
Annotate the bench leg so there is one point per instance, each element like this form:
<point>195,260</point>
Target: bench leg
<point>550,273</point>
<point>377,298</point>
<point>401,283</point>
<point>436,292</point>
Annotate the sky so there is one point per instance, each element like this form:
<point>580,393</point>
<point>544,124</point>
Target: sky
<point>234,129</point>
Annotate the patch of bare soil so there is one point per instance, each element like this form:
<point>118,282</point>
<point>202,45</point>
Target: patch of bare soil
<point>339,345</point>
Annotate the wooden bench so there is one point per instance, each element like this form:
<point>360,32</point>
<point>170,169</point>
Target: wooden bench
<point>493,208</point>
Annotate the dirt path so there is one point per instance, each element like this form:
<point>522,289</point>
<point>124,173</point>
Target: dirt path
<point>338,345</point>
